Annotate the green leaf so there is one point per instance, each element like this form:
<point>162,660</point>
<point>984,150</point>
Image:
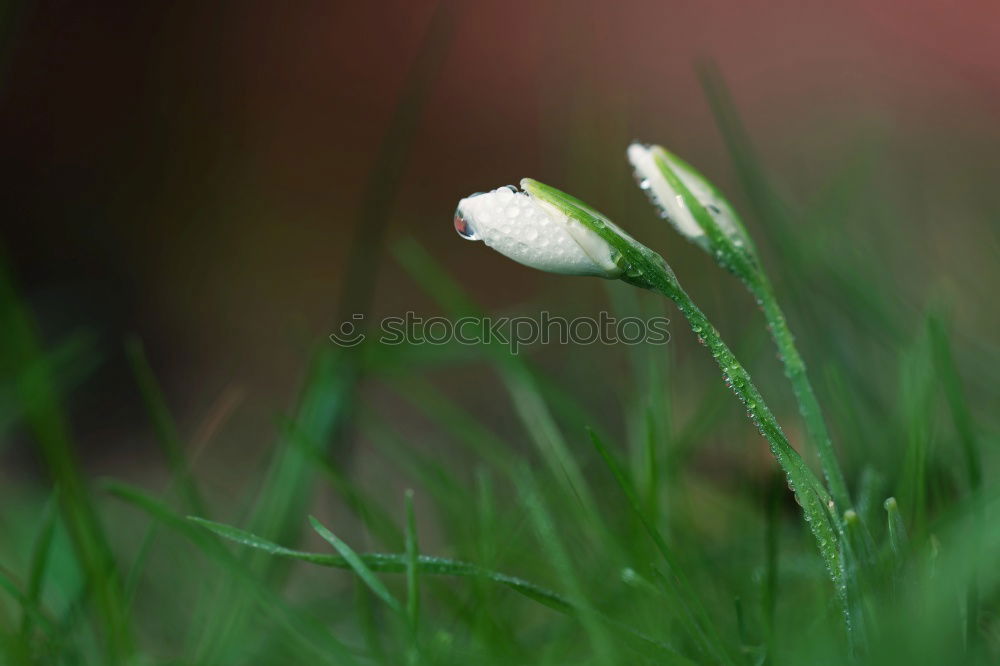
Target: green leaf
<point>389,563</point>
<point>358,565</point>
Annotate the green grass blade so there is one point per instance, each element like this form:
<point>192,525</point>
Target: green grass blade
<point>859,540</point>
<point>245,538</point>
<point>40,406</point>
<point>870,488</point>
<point>390,563</point>
<point>70,362</point>
<point>815,500</point>
<point>436,566</point>
<point>359,566</point>
<point>308,632</point>
<point>451,418</point>
<point>412,579</point>
<point>917,385</point>
<point>769,584</point>
<point>951,383</point>
<point>366,507</point>
<point>811,265</point>
<point>433,278</point>
<point>530,404</point>
<point>755,278</point>
<point>40,559</point>
<point>444,486</point>
<point>805,396</point>
<point>42,548</point>
<point>696,619</point>
<point>541,519</point>
<point>324,402</point>
<point>533,410</point>
<point>412,559</point>
<point>163,425</point>
<point>533,399</point>
<point>897,533</point>
<point>30,608</point>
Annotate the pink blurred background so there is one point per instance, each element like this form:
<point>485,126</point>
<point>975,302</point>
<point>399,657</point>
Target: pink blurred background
<point>193,172</point>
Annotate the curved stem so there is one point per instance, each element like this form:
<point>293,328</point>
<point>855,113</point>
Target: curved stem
<point>795,370</point>
<point>642,267</point>
<point>809,491</point>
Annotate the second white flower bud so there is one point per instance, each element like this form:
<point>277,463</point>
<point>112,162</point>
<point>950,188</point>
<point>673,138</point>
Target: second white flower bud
<point>660,172</point>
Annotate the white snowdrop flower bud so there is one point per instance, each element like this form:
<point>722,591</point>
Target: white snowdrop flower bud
<point>529,228</point>
<point>669,181</point>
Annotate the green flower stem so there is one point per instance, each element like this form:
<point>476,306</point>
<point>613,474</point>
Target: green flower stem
<point>795,370</point>
<point>737,254</point>
<point>644,268</point>
<point>809,492</point>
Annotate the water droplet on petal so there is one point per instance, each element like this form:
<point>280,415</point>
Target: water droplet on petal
<point>464,228</point>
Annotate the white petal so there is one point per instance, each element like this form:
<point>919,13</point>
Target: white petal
<point>670,203</point>
<point>534,233</point>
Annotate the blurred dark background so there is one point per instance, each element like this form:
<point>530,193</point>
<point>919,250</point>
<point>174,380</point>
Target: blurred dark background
<point>196,173</point>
